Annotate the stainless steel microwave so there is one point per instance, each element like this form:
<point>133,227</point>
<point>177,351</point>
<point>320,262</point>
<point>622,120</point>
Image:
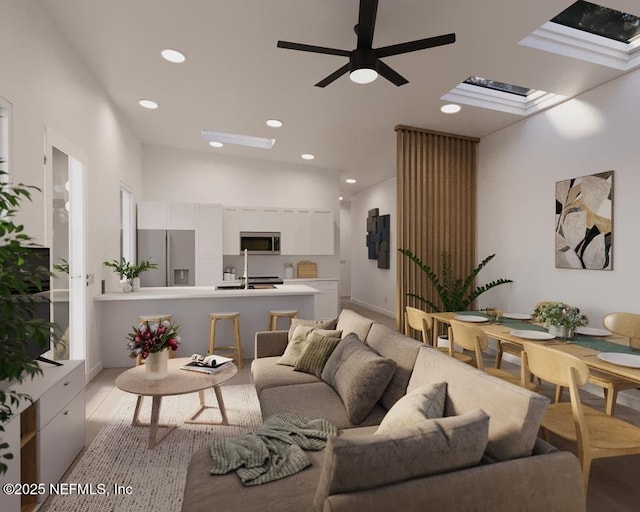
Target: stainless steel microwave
<point>260,242</point>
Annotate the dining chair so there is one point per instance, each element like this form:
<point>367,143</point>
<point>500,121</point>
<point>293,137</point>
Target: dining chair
<point>596,434</point>
<point>623,324</point>
<point>472,338</point>
<point>423,322</point>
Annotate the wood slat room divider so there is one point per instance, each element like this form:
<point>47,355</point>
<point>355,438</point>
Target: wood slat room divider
<point>436,189</point>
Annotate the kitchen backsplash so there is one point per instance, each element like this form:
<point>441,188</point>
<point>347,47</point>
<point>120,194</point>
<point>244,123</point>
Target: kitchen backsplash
<point>266,265</point>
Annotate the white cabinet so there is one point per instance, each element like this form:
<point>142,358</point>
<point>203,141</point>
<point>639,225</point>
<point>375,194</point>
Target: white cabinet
<point>231,229</point>
<point>209,240</point>
<point>48,435</point>
<point>327,301</point>
<point>181,216</point>
<point>153,216</point>
<point>321,229</point>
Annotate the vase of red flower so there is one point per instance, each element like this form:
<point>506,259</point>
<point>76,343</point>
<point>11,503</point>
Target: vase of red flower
<point>152,342</point>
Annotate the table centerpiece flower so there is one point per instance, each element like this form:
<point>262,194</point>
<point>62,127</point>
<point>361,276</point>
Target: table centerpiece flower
<point>560,318</point>
<point>152,342</point>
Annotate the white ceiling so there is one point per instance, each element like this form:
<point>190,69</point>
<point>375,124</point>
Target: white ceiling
<point>235,78</point>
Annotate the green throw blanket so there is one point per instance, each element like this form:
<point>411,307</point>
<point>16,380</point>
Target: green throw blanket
<point>274,451</point>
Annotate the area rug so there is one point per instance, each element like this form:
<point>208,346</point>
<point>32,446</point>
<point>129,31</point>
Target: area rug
<point>150,479</point>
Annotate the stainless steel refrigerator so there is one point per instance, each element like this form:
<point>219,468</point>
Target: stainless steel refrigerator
<point>174,251</point>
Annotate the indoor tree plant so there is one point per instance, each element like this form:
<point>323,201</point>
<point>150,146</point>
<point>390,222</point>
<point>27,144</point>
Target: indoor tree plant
<point>454,293</point>
<point>130,271</point>
<point>19,325</point>
<point>559,318</point>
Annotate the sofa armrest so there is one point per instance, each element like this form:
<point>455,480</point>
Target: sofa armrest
<point>271,343</point>
<point>544,483</point>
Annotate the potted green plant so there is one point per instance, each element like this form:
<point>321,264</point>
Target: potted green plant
<point>559,318</point>
<point>130,272</point>
<point>19,325</point>
<point>454,293</point>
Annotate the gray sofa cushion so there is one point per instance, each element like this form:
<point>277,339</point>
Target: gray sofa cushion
<point>425,402</point>
<point>430,447</point>
<point>313,400</point>
<point>317,350</point>
<point>515,412</point>
<point>350,321</point>
<point>266,373</point>
<point>403,350</point>
<point>298,342</point>
<point>359,375</point>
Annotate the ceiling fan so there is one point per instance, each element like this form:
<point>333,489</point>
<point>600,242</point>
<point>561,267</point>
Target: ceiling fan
<point>364,62</point>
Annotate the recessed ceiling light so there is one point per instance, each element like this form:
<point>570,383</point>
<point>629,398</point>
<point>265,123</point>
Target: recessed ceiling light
<point>150,104</point>
<point>216,144</point>
<point>340,198</point>
<point>351,180</point>
<point>240,140</point>
<point>307,156</point>
<point>274,123</point>
<point>173,56</point>
<point>451,108</point>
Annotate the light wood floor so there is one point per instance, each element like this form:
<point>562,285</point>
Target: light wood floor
<point>614,485</point>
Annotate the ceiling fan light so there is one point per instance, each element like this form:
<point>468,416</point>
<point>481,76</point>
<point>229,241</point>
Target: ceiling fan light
<point>363,75</point>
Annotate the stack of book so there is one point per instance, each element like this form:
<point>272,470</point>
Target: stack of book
<point>206,364</point>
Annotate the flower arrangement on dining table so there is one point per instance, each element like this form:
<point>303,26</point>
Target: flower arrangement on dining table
<point>153,337</point>
<point>559,314</point>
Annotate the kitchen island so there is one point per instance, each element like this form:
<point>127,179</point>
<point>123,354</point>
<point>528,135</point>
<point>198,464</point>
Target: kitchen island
<point>190,306</point>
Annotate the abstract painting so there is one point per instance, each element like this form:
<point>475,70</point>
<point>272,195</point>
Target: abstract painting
<point>378,237</point>
<point>584,222</point>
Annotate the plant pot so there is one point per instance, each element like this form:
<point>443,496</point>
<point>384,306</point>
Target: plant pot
<point>155,365</point>
<point>561,331</point>
<point>135,284</point>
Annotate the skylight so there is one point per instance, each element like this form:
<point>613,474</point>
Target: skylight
<point>240,140</point>
<point>502,96</point>
<point>592,33</point>
<point>599,20</point>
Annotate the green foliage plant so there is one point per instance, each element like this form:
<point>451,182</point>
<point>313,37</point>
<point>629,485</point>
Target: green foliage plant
<point>559,314</point>
<point>18,324</point>
<point>454,293</point>
<point>128,270</point>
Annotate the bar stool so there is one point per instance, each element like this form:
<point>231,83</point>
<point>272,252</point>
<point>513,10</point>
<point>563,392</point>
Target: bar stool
<point>274,315</point>
<point>153,319</point>
<point>236,349</point>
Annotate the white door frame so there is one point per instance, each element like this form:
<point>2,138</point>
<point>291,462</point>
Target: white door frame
<point>77,235</point>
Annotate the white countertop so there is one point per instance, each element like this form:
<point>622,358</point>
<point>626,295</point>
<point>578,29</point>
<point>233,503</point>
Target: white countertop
<point>204,292</point>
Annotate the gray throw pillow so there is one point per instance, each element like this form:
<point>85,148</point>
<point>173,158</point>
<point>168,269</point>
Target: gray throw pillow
<point>359,375</point>
<point>298,341</point>
<point>319,324</point>
<point>357,463</point>
<point>317,350</point>
<point>423,403</point>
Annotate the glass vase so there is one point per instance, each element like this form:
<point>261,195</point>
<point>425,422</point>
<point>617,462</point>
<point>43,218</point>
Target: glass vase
<point>155,365</point>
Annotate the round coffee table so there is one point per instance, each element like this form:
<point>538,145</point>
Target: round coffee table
<point>177,382</point>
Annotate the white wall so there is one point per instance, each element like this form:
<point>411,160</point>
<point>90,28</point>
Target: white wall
<point>371,286</point>
<point>517,171</point>
<point>203,177</point>
<point>48,86</point>
<point>345,249</point>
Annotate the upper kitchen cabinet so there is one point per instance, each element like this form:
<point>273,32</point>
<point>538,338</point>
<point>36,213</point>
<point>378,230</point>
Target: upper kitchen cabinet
<point>156,215</point>
<point>304,232</point>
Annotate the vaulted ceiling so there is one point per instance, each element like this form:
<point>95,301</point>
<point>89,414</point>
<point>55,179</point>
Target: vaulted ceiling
<point>235,78</point>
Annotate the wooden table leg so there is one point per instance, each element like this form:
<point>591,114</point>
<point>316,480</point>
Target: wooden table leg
<point>154,423</point>
<point>223,412</point>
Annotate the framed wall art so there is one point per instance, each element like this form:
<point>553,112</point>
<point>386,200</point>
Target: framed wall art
<point>584,222</point>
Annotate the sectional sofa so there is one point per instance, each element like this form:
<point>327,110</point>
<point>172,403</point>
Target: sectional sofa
<point>483,455</point>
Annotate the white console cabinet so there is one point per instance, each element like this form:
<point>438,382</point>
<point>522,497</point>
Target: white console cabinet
<point>47,435</point>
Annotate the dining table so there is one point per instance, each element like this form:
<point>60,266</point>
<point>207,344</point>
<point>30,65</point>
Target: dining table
<point>596,349</point>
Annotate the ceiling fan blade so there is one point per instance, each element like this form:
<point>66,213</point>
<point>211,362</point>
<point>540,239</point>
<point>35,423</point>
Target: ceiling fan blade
<point>391,75</point>
<point>333,76</point>
<point>412,46</point>
<point>366,22</point>
<point>314,49</point>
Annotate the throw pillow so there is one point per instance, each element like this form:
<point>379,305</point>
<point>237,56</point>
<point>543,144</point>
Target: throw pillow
<point>423,403</point>
<point>319,324</point>
<point>359,375</point>
<point>317,350</point>
<point>356,463</point>
<point>298,341</point>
